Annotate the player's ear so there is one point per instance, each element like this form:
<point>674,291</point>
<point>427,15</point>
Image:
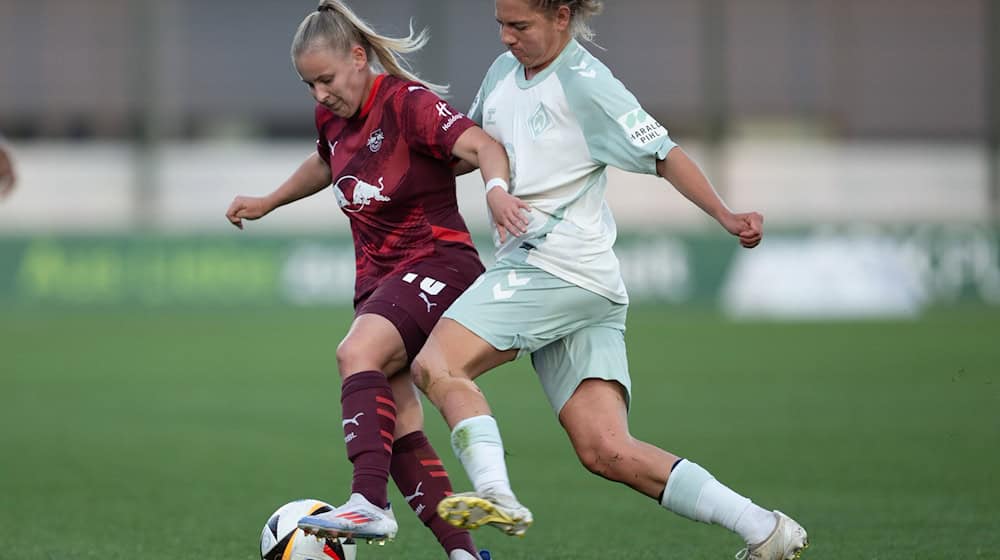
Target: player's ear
<point>564,17</point>
<point>359,57</point>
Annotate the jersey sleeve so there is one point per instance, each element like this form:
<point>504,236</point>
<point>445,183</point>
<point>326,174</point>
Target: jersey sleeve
<point>501,67</point>
<point>619,131</point>
<point>430,124</point>
<point>322,146</point>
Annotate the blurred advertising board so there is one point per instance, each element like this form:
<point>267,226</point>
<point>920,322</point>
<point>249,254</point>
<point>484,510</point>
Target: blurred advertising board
<point>837,272</point>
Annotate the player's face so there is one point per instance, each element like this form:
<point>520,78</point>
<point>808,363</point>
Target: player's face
<point>340,81</point>
<point>533,36</point>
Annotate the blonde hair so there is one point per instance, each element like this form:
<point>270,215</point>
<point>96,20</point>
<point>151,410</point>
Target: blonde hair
<point>580,11</point>
<point>335,26</point>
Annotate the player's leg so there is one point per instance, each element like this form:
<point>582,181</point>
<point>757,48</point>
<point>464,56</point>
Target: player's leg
<point>445,368</point>
<point>372,347</point>
<point>419,473</point>
<point>447,365</point>
<point>595,418</point>
<point>512,306</point>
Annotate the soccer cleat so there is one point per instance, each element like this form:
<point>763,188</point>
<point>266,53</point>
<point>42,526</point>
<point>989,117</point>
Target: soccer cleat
<point>459,554</point>
<point>786,542</point>
<point>470,510</point>
<point>358,518</point>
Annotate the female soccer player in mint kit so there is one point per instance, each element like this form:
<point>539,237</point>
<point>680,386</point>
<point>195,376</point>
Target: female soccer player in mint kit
<point>386,143</point>
<point>556,291</point>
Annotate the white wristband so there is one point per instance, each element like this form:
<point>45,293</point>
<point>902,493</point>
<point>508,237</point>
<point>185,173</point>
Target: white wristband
<point>496,182</point>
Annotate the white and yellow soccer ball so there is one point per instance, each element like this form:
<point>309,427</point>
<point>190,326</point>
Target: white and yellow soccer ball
<point>281,538</point>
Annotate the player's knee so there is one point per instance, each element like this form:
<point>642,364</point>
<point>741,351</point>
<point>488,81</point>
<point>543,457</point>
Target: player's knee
<point>421,372</point>
<point>349,357</point>
<point>603,456</point>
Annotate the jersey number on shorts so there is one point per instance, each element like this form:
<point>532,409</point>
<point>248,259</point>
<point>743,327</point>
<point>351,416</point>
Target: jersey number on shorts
<point>431,286</point>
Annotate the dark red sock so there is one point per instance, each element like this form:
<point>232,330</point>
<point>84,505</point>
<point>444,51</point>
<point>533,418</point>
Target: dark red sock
<point>369,421</point>
<point>421,478</point>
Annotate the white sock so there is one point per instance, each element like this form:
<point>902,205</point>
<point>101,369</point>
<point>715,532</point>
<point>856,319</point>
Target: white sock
<point>477,444</point>
<point>694,493</point>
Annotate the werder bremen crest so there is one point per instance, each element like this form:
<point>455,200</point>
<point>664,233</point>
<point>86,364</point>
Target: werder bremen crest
<point>540,121</point>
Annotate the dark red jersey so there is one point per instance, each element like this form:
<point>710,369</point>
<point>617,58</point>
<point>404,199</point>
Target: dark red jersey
<point>391,172</point>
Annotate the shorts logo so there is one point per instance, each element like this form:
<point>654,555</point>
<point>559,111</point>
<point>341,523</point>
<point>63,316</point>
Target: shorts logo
<point>375,141</point>
<point>423,296</point>
<point>641,128</point>
<point>428,287</point>
<point>499,293</point>
<point>362,193</point>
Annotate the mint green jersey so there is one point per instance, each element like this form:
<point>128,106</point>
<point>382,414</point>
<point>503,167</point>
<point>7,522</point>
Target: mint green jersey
<point>561,130</point>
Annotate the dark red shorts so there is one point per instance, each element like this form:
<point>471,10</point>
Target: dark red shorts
<point>414,300</point>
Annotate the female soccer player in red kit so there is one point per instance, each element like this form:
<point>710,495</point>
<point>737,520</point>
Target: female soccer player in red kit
<point>386,143</point>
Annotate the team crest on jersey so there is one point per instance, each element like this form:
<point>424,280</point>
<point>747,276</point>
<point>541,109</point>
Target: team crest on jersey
<point>641,128</point>
<point>540,121</point>
<point>354,194</point>
<point>375,140</point>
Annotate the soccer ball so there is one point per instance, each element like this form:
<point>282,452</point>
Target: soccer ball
<point>283,540</point>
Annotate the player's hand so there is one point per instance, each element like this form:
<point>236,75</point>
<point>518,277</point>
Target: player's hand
<point>247,208</point>
<point>509,212</point>
<point>7,176</point>
<point>749,227</point>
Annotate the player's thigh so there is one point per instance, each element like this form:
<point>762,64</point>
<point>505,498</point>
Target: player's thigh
<point>373,343</point>
<point>412,303</point>
<point>596,352</point>
<point>454,350</point>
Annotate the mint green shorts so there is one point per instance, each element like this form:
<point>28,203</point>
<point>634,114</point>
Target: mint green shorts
<point>572,333</point>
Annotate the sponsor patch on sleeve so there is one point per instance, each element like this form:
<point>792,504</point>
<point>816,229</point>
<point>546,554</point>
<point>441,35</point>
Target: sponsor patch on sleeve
<point>641,128</point>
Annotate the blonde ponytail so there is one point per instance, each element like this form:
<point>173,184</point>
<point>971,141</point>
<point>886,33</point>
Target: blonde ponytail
<point>335,26</point>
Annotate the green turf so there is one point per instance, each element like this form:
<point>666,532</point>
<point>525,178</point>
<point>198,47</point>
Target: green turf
<point>130,435</point>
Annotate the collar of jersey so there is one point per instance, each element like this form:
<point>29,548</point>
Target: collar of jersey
<point>525,83</point>
<point>370,102</point>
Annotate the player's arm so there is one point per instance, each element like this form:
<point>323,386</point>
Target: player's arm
<point>461,167</point>
<point>310,178</point>
<point>476,148</point>
<point>685,175</point>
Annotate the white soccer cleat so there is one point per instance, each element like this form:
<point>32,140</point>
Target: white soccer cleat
<point>786,542</point>
<point>470,510</point>
<point>358,518</point>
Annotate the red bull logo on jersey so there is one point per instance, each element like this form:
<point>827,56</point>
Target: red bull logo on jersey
<point>354,194</point>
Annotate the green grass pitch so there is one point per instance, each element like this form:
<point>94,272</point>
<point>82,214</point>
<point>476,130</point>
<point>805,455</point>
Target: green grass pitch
<point>173,435</point>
